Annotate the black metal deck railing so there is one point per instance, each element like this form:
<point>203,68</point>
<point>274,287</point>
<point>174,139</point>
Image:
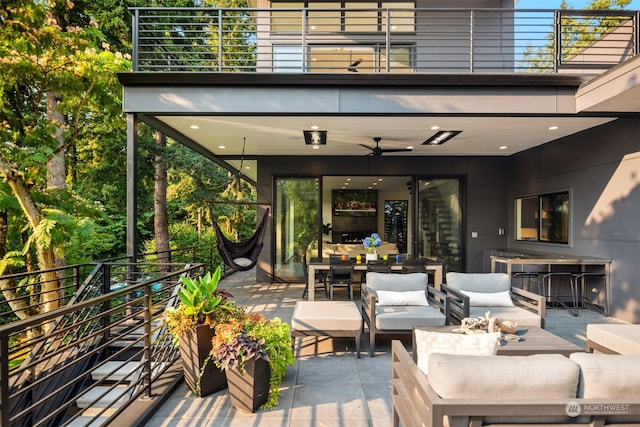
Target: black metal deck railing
<point>82,363</point>
<point>382,40</point>
<point>55,367</point>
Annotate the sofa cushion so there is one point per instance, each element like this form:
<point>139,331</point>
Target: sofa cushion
<point>397,282</point>
<point>622,338</point>
<point>479,282</point>
<point>515,314</point>
<point>402,298</point>
<point>428,342</point>
<point>608,376</point>
<point>540,376</point>
<point>407,317</point>
<point>484,299</point>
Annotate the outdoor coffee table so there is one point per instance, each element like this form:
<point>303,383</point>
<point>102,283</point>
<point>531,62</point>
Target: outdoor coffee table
<point>327,318</point>
<point>533,340</point>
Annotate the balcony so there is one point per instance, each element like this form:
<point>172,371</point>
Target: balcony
<point>381,40</point>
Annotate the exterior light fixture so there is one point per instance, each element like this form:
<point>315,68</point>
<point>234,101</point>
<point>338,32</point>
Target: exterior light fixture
<point>315,137</point>
<point>441,137</point>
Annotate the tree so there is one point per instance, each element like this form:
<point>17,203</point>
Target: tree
<point>38,58</point>
<point>577,35</point>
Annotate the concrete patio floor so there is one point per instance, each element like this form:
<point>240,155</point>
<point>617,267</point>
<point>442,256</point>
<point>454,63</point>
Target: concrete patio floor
<point>328,386</point>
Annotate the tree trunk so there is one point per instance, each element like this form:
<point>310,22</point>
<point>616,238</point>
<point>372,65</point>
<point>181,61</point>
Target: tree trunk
<point>56,164</point>
<point>161,220</point>
<point>18,305</point>
<point>46,259</point>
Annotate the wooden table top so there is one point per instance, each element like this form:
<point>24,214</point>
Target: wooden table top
<point>533,340</point>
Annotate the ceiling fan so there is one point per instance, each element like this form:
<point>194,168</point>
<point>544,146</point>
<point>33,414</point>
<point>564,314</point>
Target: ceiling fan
<point>377,151</point>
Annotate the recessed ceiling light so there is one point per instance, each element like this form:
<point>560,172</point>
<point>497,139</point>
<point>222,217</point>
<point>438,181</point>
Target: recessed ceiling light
<point>247,167</point>
<point>375,183</point>
<point>222,147</point>
<point>553,127</point>
<point>409,147</point>
<point>315,127</point>
<point>316,147</point>
<point>380,179</point>
<point>195,127</point>
<point>503,147</point>
<point>434,127</point>
<point>348,179</point>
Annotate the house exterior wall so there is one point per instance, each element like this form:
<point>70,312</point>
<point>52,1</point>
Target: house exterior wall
<point>601,167</point>
<point>484,198</point>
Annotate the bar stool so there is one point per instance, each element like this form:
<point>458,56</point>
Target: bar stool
<point>554,297</point>
<point>582,277</point>
<point>526,275</point>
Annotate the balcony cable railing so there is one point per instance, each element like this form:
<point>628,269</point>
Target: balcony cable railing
<point>381,40</point>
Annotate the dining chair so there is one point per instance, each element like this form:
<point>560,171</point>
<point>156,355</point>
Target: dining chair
<point>416,265</point>
<point>341,274</point>
<point>320,278</point>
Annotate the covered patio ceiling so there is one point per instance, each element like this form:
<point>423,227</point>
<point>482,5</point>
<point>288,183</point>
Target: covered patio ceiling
<point>231,117</point>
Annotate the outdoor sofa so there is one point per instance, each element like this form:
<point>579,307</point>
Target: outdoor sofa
<point>395,303</point>
<point>613,338</point>
<point>474,294</point>
<point>543,389</point>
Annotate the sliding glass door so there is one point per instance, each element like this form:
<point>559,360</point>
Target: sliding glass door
<point>440,222</point>
<point>296,224</point>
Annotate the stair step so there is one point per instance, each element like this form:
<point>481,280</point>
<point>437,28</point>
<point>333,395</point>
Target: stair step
<point>111,399</point>
<point>122,371</point>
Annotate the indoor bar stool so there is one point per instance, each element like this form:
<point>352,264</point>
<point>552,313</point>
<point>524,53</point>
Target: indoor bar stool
<point>582,277</point>
<point>554,297</point>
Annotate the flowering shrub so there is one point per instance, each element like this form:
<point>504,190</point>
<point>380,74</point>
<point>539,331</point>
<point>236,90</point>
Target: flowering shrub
<point>371,243</point>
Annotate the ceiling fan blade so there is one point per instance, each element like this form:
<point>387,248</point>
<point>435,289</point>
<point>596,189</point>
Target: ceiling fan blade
<point>366,146</point>
<point>395,150</point>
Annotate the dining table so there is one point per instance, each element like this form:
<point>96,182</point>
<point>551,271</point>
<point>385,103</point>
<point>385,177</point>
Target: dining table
<point>433,268</point>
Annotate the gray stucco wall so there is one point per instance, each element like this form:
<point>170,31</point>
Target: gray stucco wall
<point>601,167</point>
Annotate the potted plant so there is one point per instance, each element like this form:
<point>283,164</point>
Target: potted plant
<point>202,306</point>
<point>370,245</point>
<point>255,352</point>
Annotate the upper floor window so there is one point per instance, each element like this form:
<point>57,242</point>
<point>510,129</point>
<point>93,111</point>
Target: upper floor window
<point>543,218</point>
<point>343,16</point>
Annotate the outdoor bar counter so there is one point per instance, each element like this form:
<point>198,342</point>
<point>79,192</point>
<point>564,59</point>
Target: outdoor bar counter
<point>581,267</point>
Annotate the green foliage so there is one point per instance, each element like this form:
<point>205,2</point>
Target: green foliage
<point>255,336</point>
<point>197,295</point>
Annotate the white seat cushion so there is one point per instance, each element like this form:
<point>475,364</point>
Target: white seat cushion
<point>326,316</point>
<point>407,317</point>
<point>515,314</point>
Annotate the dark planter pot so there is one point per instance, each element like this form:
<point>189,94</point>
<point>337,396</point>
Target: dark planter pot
<point>251,390</point>
<point>195,346</point>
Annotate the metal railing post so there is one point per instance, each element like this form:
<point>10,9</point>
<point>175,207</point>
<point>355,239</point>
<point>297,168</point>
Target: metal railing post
<point>4,379</point>
<point>303,40</point>
<point>387,42</point>
<point>557,38</point>
<point>135,34</point>
<point>471,36</point>
<point>148,317</point>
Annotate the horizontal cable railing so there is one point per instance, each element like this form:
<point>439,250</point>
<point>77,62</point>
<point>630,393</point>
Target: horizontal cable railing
<point>382,40</point>
<point>83,362</point>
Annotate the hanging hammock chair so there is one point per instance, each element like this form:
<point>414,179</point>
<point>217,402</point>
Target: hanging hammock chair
<point>241,256</point>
